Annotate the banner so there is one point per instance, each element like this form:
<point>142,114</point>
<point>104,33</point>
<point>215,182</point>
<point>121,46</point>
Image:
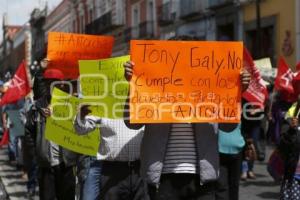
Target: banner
<point>284,77</point>
<point>18,86</point>
<point>284,81</point>
<point>185,81</point>
<point>59,127</point>
<point>66,49</point>
<point>257,91</point>
<point>104,86</point>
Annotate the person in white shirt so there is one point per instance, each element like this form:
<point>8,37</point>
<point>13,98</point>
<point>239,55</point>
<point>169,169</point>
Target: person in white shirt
<point>114,173</point>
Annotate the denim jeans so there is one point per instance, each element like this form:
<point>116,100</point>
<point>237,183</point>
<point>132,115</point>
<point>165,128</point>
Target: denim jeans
<point>228,182</point>
<point>247,165</point>
<point>56,182</point>
<point>32,178</point>
<point>90,185</point>
<point>12,147</point>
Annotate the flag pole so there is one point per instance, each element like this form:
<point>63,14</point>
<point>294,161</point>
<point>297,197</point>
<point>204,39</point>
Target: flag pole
<point>272,99</point>
<point>28,59</point>
<point>298,113</point>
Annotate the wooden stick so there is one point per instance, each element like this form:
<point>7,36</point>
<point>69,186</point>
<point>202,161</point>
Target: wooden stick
<point>298,113</point>
<point>272,100</point>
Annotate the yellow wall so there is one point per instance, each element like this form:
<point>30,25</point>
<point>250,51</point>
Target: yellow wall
<point>285,17</point>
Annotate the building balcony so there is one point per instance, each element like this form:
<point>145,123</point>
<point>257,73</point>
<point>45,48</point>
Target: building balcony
<point>216,4</point>
<point>146,29</point>
<point>102,25</point>
<point>127,34</point>
<point>131,33</point>
<point>165,16</point>
<point>190,8</point>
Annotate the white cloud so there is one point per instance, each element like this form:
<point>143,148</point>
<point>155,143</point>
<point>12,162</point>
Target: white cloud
<point>18,11</point>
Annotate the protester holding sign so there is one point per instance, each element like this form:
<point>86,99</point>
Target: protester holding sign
<point>56,181</point>
<point>30,117</point>
<point>178,161</point>
<point>115,172</point>
<point>231,143</point>
<point>290,151</point>
<point>38,80</point>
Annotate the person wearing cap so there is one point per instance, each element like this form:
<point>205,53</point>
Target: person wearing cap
<point>38,80</point>
<point>56,180</point>
<point>39,89</point>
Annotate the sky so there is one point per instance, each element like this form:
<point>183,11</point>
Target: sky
<point>19,10</point>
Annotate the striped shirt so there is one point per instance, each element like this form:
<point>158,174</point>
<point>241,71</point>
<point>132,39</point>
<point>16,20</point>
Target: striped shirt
<point>181,156</point>
<point>118,143</point>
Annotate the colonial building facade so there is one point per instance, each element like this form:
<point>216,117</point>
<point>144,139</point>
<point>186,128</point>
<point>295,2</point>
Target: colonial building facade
<point>163,19</point>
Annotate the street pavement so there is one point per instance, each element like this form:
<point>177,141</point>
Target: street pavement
<point>12,180</point>
<point>262,188</point>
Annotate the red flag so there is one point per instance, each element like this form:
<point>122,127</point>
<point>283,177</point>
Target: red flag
<point>257,91</point>
<point>298,66</point>
<point>284,77</point>
<point>18,88</point>
<point>296,84</point>
<point>5,138</point>
<point>287,82</point>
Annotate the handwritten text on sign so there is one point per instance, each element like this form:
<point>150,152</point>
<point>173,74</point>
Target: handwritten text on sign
<point>59,127</point>
<point>65,49</point>
<point>176,81</point>
<point>104,86</point>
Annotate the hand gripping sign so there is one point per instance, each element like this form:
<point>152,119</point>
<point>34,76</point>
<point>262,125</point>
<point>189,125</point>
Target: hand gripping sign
<point>59,127</point>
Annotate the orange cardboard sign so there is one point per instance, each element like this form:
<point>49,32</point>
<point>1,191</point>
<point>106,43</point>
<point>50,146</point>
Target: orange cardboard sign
<point>185,81</point>
<point>65,49</point>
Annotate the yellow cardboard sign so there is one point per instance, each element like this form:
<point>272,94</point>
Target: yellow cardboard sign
<point>59,127</point>
<point>103,85</point>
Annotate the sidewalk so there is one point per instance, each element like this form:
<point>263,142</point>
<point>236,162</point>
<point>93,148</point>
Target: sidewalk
<point>11,178</point>
<point>263,187</point>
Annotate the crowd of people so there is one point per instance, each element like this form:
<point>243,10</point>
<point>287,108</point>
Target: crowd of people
<point>166,161</point>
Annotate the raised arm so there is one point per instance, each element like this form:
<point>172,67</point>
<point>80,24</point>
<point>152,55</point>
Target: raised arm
<point>128,66</point>
<point>84,124</point>
<point>245,80</point>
